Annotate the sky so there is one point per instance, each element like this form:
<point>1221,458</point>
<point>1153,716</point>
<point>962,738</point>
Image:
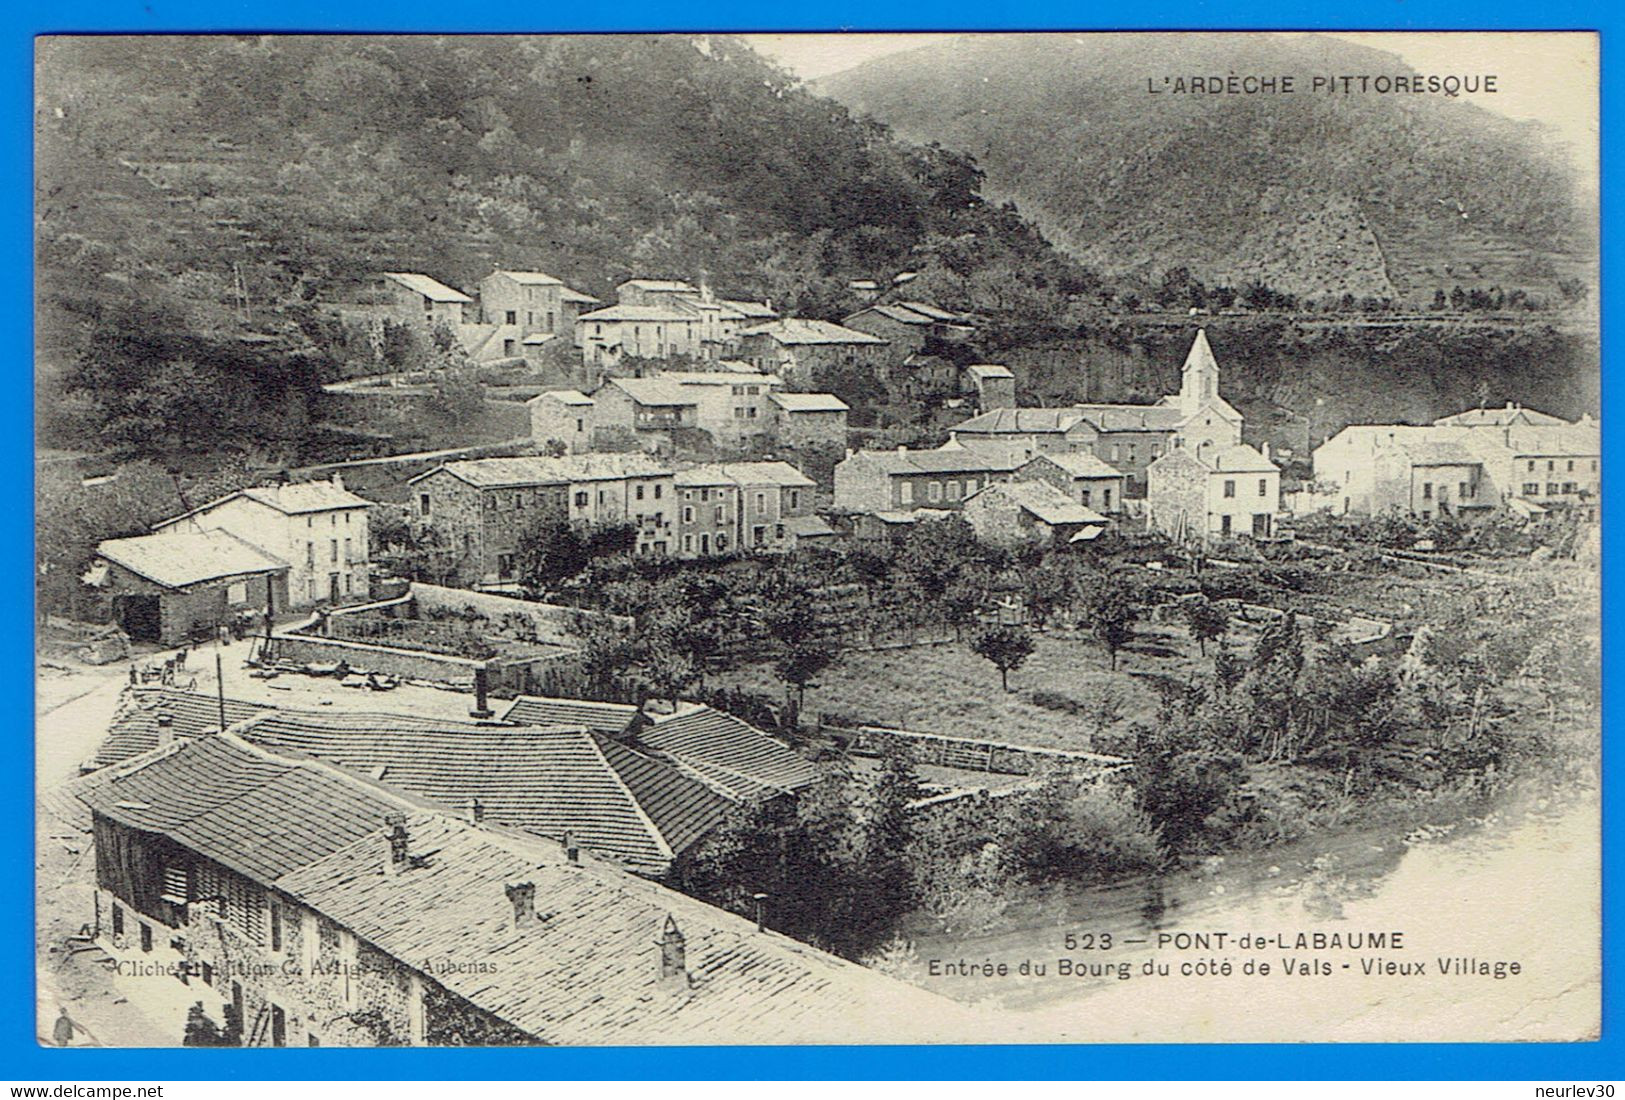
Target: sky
<point>1548,77</point>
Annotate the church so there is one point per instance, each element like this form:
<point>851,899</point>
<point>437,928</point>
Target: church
<point>1128,437</point>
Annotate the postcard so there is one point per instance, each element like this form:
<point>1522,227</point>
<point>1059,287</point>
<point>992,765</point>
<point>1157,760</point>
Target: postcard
<point>850,538</point>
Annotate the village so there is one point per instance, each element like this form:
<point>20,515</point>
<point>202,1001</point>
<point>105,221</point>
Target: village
<point>569,740</point>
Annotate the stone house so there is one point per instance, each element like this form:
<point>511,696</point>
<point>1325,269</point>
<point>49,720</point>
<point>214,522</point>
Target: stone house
<point>1030,513</point>
<point>802,352</point>
<point>172,588</point>
<point>910,328</point>
<point>992,385</point>
<point>418,299</point>
<point>610,335</point>
<point>1081,476</point>
<point>533,302</point>
<point>562,416</point>
<point>653,412</point>
<point>481,507</point>
<point>808,420</point>
<point>319,528</point>
<point>735,409</point>
<point>905,479</point>
<point>733,506</point>
<point>1222,493</point>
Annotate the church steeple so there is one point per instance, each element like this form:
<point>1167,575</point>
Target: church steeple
<point>1200,382</point>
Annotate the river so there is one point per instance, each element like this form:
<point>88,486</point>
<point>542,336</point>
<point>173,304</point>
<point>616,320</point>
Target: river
<point>1483,933</point>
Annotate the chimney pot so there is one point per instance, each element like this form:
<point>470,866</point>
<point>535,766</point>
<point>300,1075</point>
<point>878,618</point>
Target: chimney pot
<point>476,810</point>
<point>338,480</point>
<point>166,729</point>
<point>399,844</point>
<point>673,954</point>
<point>572,851</point>
<point>522,896</point>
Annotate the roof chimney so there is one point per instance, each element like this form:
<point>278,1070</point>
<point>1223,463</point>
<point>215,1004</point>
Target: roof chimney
<point>398,856</point>
<point>338,480</point>
<point>673,955</point>
<point>902,448</point>
<point>476,810</point>
<point>572,850</point>
<point>166,730</point>
<point>1264,449</point>
<point>522,896</point>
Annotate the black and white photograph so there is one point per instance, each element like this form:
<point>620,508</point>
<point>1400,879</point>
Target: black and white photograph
<point>712,539</point>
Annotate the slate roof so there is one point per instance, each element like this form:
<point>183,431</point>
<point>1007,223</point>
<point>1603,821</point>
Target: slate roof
<point>259,814</point>
<point>800,330</point>
<point>1079,464</point>
<point>665,286</point>
<point>568,397</point>
<point>750,309</point>
<point>1238,458</point>
<point>809,402</point>
<point>492,473</point>
<point>1438,452</point>
<point>1131,418</point>
<point>718,378</point>
<point>614,800</point>
<point>571,295</point>
<point>808,527</point>
<point>432,289</point>
<point>176,559</point>
<point>134,729</point>
<point>530,278</point>
<point>534,710</point>
<point>989,370</point>
<point>778,474</point>
<point>585,969</point>
<point>1510,414</point>
<point>998,421</point>
<point>1106,418</point>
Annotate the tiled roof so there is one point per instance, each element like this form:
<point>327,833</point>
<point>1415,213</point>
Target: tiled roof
<point>1019,420</point>
<point>531,278</point>
<point>175,559</point>
<point>531,710</point>
<point>942,460</point>
<point>754,310</point>
<point>731,754</point>
<point>1080,464</point>
<point>663,286</point>
<point>779,474</point>
<point>1438,452</point>
<point>1510,414</point>
<point>809,402</point>
<point>290,498</point>
<point>799,330</point>
<point>1106,418</point>
<point>655,391</point>
<point>808,527</point>
<point>259,814</point>
<point>614,800</point>
<point>134,729</point>
<point>586,968</point>
<point>1238,458</point>
<point>1131,418</point>
<point>637,313</point>
<point>432,289</point>
<point>507,472</point>
<point>1043,500</point>
<point>567,397</point>
<point>933,312</point>
<point>570,295</point>
<point>989,370</point>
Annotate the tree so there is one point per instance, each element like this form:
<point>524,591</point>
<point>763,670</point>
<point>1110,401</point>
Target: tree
<point>1111,613</point>
<point>1206,619</point>
<point>800,664</point>
<point>1007,647</point>
<point>668,670</point>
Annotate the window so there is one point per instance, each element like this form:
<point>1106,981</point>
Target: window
<point>347,519</point>
<point>276,927</point>
<point>970,485</point>
<point>349,556</point>
<point>118,919</point>
<point>581,499</point>
<point>761,503</point>
<point>1229,489</point>
<point>237,593</point>
<point>347,583</point>
<point>953,490</point>
<point>510,348</point>
<point>905,492</point>
<point>1461,490</point>
<point>1106,498</point>
<point>1224,525</point>
<point>310,555</point>
<point>1531,465</point>
<point>1083,497</point>
<point>602,496</point>
<point>146,937</point>
<point>549,320</point>
<point>638,492</point>
<point>657,492</point>
<point>795,499</point>
<point>504,565</point>
<point>279,1027</point>
<point>1571,466</point>
<point>333,550</point>
<point>688,516</point>
<point>688,544</point>
<point>1550,465</point>
<point>311,522</point>
<point>581,425</point>
<point>722,543</point>
<point>511,316</point>
<point>1427,490</point>
<point>721,513</point>
<point>933,491</point>
<point>1531,489</point>
<point>758,535</point>
<point>423,504</point>
<point>1263,486</point>
<point>1551,488</point>
<point>1568,486</point>
<point>208,974</point>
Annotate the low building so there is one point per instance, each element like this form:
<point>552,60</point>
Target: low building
<point>532,302</point>
<point>1081,476</point>
<point>993,386</point>
<point>319,528</point>
<point>650,412</point>
<point>481,507</point>
<point>910,327</point>
<point>803,352</point>
<point>615,333</point>
<point>173,588</point>
<point>1030,513</point>
<point>734,506</point>
<point>418,299</point>
<point>808,420</point>
<point>734,409</point>
<point>904,479</point>
<point>368,919</point>
<point>562,417</point>
<point>1224,492</point>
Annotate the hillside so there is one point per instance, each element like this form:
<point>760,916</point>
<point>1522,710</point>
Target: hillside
<point>200,199</point>
<point>1317,196</point>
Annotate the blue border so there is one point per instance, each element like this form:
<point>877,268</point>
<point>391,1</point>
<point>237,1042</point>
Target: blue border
<point>24,1060</point>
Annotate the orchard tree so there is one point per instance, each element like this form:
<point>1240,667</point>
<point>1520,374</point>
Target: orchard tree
<point>1207,620</point>
<point>1007,647</point>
